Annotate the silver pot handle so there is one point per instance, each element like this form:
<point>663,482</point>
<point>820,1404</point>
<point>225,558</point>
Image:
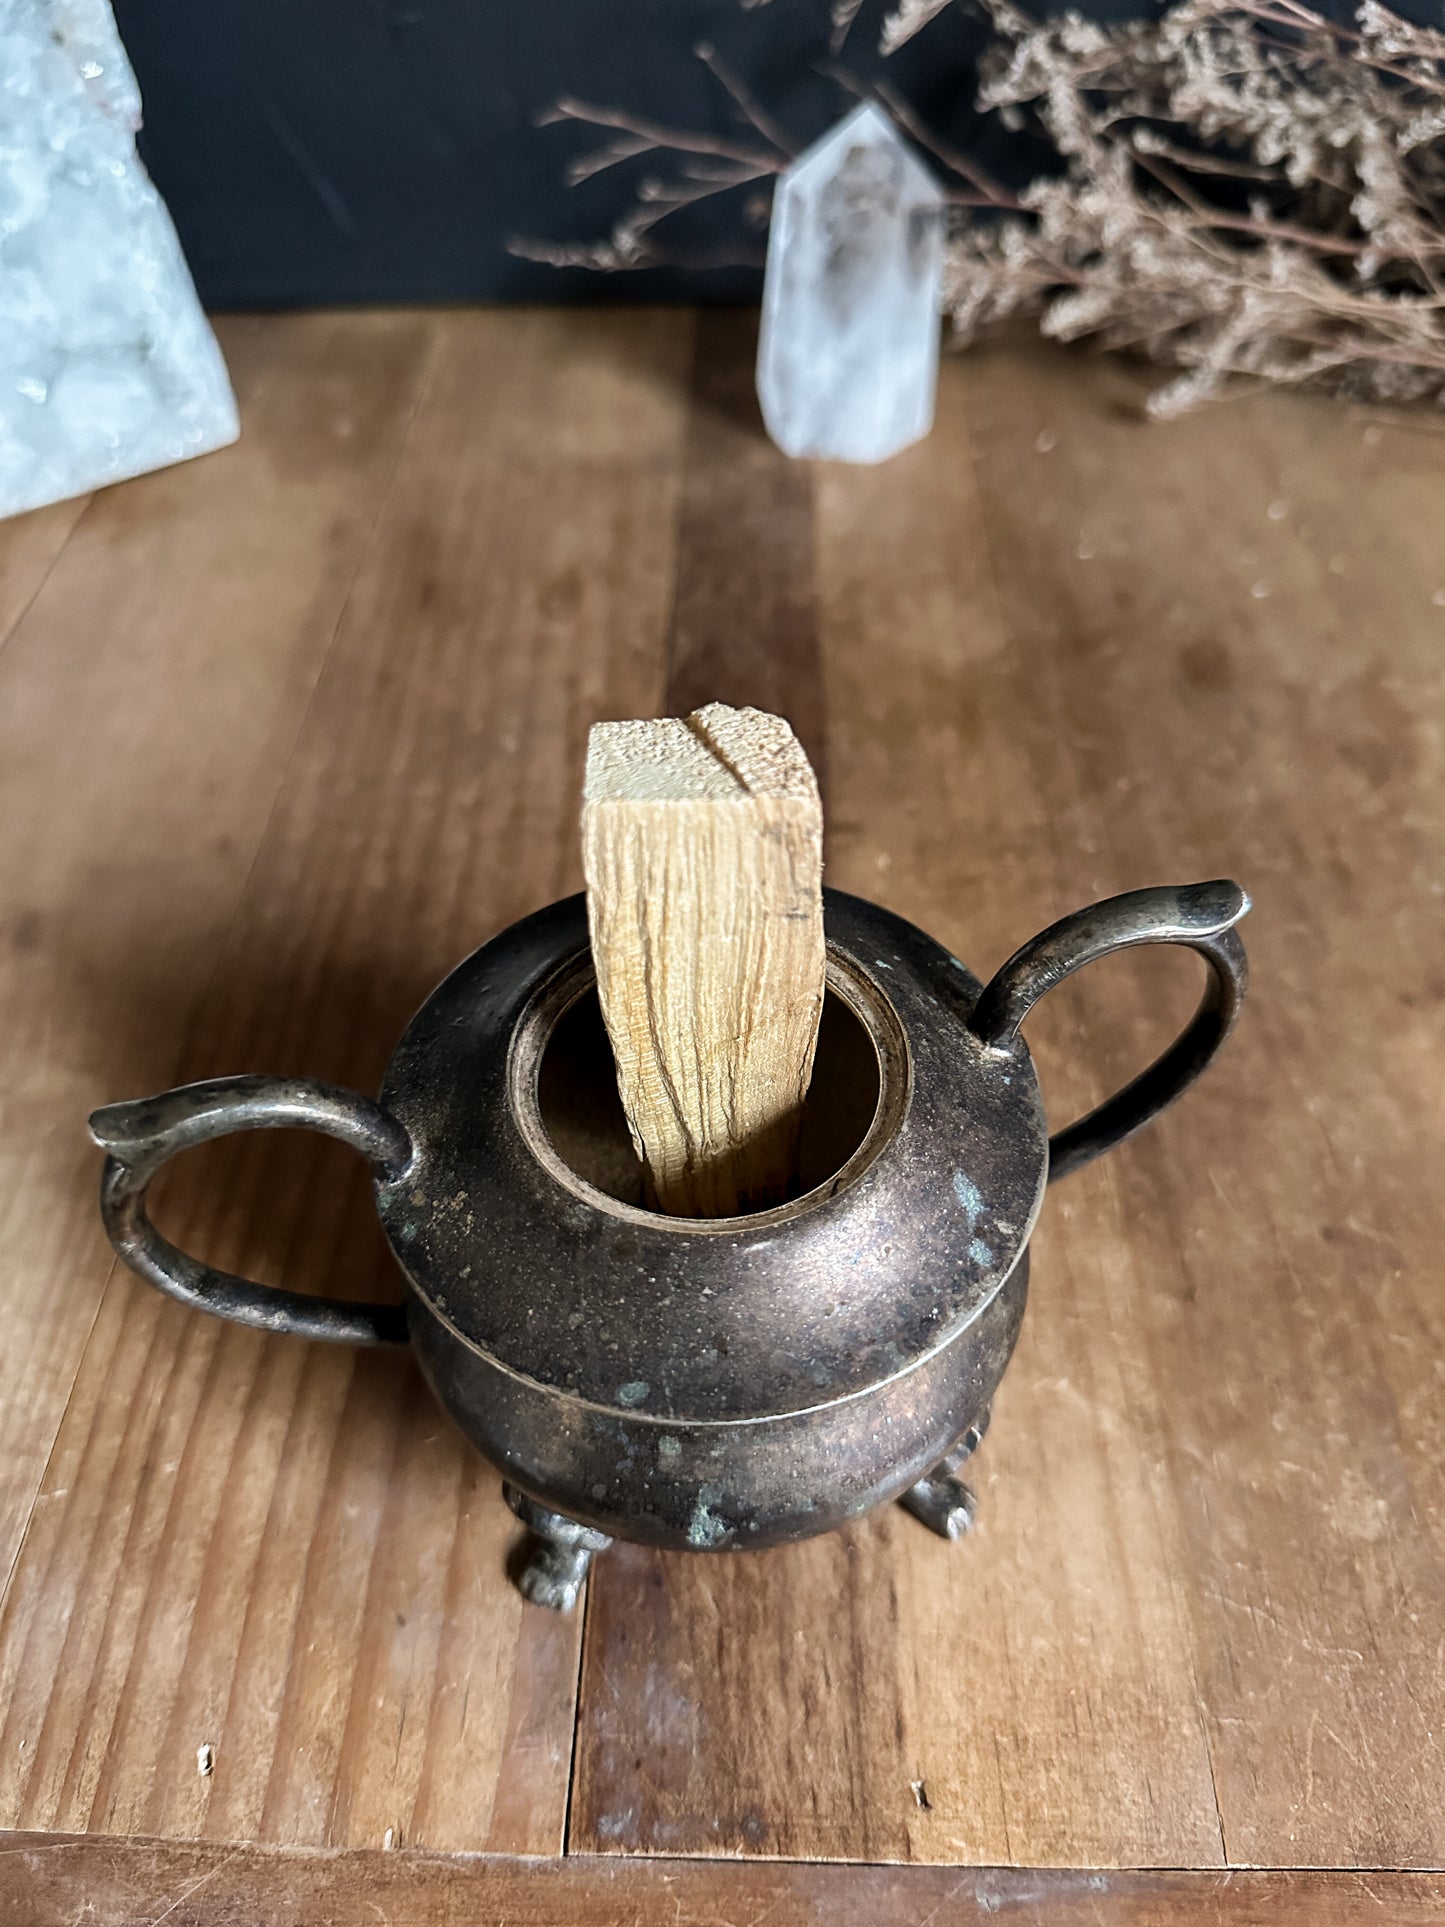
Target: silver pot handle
<point>140,1136</point>
<point>1201,915</point>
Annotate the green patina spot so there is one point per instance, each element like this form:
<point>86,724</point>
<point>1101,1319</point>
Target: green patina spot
<point>634,1392</point>
<point>705,1528</point>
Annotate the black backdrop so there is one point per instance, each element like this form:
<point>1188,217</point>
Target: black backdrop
<point>318,151</point>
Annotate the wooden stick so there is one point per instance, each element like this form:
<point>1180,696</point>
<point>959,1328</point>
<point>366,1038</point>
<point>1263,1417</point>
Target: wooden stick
<point>703,847</point>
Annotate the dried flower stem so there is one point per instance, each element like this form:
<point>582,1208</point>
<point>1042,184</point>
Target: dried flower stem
<point>1245,189</point>
<point>986,191</point>
<point>744,101</point>
<point>654,135</point>
<point>1328,274</point>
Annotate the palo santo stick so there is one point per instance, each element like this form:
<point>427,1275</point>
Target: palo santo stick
<point>702,842</point>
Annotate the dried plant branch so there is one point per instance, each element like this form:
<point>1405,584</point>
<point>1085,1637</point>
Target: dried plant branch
<point>986,191</point>
<point>1147,140</point>
<point>844,13</point>
<point>1245,189</point>
<point>707,165</point>
<point>907,19</point>
<point>632,243</point>
<point>1248,190</point>
<point>626,148</point>
<point>746,105</point>
<point>651,133</point>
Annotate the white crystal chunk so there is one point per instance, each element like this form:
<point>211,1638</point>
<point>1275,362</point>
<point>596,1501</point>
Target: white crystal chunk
<point>107,365</point>
<point>848,355</point>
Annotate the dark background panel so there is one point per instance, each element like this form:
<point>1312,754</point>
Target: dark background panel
<point>387,150</point>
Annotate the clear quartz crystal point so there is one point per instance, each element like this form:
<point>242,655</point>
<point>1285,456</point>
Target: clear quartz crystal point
<point>848,356</point>
<point>107,365</point>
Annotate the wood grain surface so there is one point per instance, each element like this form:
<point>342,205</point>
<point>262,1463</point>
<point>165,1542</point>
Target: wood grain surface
<point>1249,675</point>
<point>881,1692</point>
<point>29,545</point>
<point>1201,1618</point>
<point>702,845</point>
<point>285,732</point>
<point>744,619</point>
<point>152,682</point>
<point>278,1550</point>
<point>48,1881</point>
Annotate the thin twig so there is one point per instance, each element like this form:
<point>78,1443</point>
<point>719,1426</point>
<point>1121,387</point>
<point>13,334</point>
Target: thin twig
<point>743,100</point>
<point>589,165</point>
<point>1218,217</point>
<point>844,13</point>
<point>988,191</point>
<point>1197,163</point>
<point>687,143</point>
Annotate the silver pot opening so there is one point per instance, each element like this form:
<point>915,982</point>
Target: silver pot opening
<point>563,1092</point>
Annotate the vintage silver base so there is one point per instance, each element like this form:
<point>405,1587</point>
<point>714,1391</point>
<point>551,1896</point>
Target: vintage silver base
<point>558,1562</point>
<point>559,1557</point>
<point>700,1384</point>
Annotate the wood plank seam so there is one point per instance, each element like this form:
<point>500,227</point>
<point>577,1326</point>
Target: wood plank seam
<point>1195,1617</point>
<point>58,1879</point>
<point>376,833</point>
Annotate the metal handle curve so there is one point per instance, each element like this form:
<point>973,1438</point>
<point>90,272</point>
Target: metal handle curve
<point>140,1136</point>
<point>1201,915</point>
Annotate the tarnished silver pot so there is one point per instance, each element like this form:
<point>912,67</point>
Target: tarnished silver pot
<point>704,1383</point>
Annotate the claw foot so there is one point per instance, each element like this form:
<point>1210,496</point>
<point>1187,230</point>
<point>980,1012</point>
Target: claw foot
<point>944,1504</point>
<point>559,1556</point>
<point>941,1500</point>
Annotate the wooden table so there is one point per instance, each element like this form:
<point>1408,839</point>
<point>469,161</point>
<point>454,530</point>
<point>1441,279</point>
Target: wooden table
<point>285,732</point>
